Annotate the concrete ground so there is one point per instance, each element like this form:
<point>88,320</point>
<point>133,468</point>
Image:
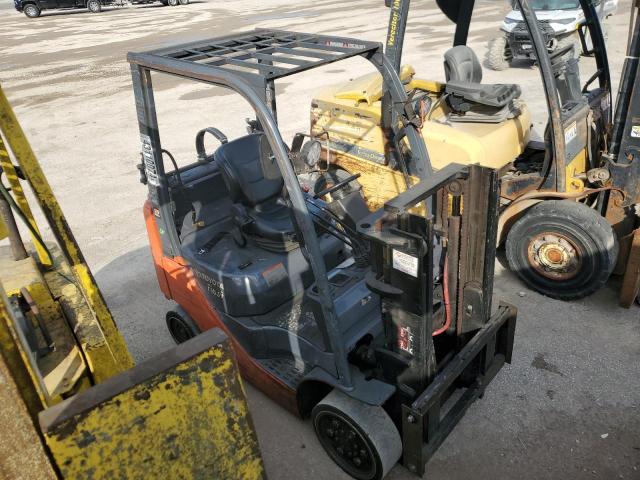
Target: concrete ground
<point>568,406</point>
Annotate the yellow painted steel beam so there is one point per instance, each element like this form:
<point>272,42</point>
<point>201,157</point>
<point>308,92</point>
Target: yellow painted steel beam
<point>4,232</point>
<point>182,414</point>
<point>18,194</point>
<point>20,364</point>
<point>21,149</point>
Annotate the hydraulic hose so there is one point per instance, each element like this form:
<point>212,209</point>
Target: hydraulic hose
<point>447,303</point>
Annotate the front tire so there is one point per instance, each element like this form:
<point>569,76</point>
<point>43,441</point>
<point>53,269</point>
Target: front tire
<point>183,2</point>
<point>94,6</point>
<point>361,439</point>
<point>173,3</point>
<point>562,249</point>
<point>31,10</point>
<point>499,55</point>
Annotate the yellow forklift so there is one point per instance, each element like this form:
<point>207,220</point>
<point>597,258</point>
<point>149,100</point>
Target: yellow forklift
<point>74,406</point>
<point>567,216</point>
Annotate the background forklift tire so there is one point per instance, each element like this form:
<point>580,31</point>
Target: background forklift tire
<point>360,438</point>
<point>499,55</point>
<point>181,326</point>
<point>562,249</point>
<point>31,10</point>
<point>94,6</point>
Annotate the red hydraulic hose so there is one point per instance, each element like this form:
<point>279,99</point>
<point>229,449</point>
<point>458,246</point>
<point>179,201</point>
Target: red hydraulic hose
<point>447,305</point>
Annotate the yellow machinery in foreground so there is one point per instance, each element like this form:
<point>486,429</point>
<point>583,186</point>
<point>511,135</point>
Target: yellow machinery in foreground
<point>73,403</point>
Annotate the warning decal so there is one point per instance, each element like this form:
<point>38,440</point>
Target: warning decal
<point>571,132</point>
<point>405,263</point>
<point>148,160</point>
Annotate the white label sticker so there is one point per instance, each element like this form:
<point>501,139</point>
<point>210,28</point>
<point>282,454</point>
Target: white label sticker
<point>571,133</point>
<point>405,263</point>
<point>149,162</point>
<point>635,131</point>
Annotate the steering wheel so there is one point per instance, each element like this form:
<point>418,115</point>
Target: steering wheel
<point>564,50</point>
<point>338,186</point>
<point>202,154</point>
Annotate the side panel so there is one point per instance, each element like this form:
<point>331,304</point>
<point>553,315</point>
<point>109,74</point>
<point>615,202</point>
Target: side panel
<point>178,283</point>
<point>156,247</point>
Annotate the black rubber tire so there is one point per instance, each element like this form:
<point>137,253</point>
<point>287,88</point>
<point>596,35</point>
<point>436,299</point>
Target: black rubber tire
<point>332,177</point>
<point>173,3</point>
<point>181,326</point>
<point>589,233</point>
<point>369,424</point>
<point>183,2</point>
<point>31,10</point>
<point>94,6</point>
<point>499,55</point>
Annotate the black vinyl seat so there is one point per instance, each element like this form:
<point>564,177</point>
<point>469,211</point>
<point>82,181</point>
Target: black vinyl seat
<point>255,186</point>
<point>464,83</point>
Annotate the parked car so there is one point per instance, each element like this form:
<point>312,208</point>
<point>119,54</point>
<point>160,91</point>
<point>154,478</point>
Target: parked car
<point>171,3</point>
<point>33,8</point>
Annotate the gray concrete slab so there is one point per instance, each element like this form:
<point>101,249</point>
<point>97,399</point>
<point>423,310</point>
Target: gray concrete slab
<point>568,406</point>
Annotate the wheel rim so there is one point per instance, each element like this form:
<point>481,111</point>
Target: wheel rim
<point>179,330</point>
<point>554,256</point>
<point>31,11</point>
<point>345,445</point>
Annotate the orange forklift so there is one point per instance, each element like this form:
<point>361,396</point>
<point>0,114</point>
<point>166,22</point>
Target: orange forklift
<point>377,325</point>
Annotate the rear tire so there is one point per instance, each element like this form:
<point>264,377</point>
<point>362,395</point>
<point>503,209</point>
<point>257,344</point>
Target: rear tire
<point>31,10</point>
<point>183,2</point>
<point>499,54</point>
<point>562,249</point>
<point>94,6</point>
<point>181,326</point>
<point>361,439</point>
<point>172,3</point>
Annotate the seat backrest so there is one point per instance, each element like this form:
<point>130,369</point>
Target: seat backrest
<point>249,169</point>
<point>461,64</point>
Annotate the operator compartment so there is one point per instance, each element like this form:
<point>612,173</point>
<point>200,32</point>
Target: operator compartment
<point>236,229</point>
<point>463,119</point>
